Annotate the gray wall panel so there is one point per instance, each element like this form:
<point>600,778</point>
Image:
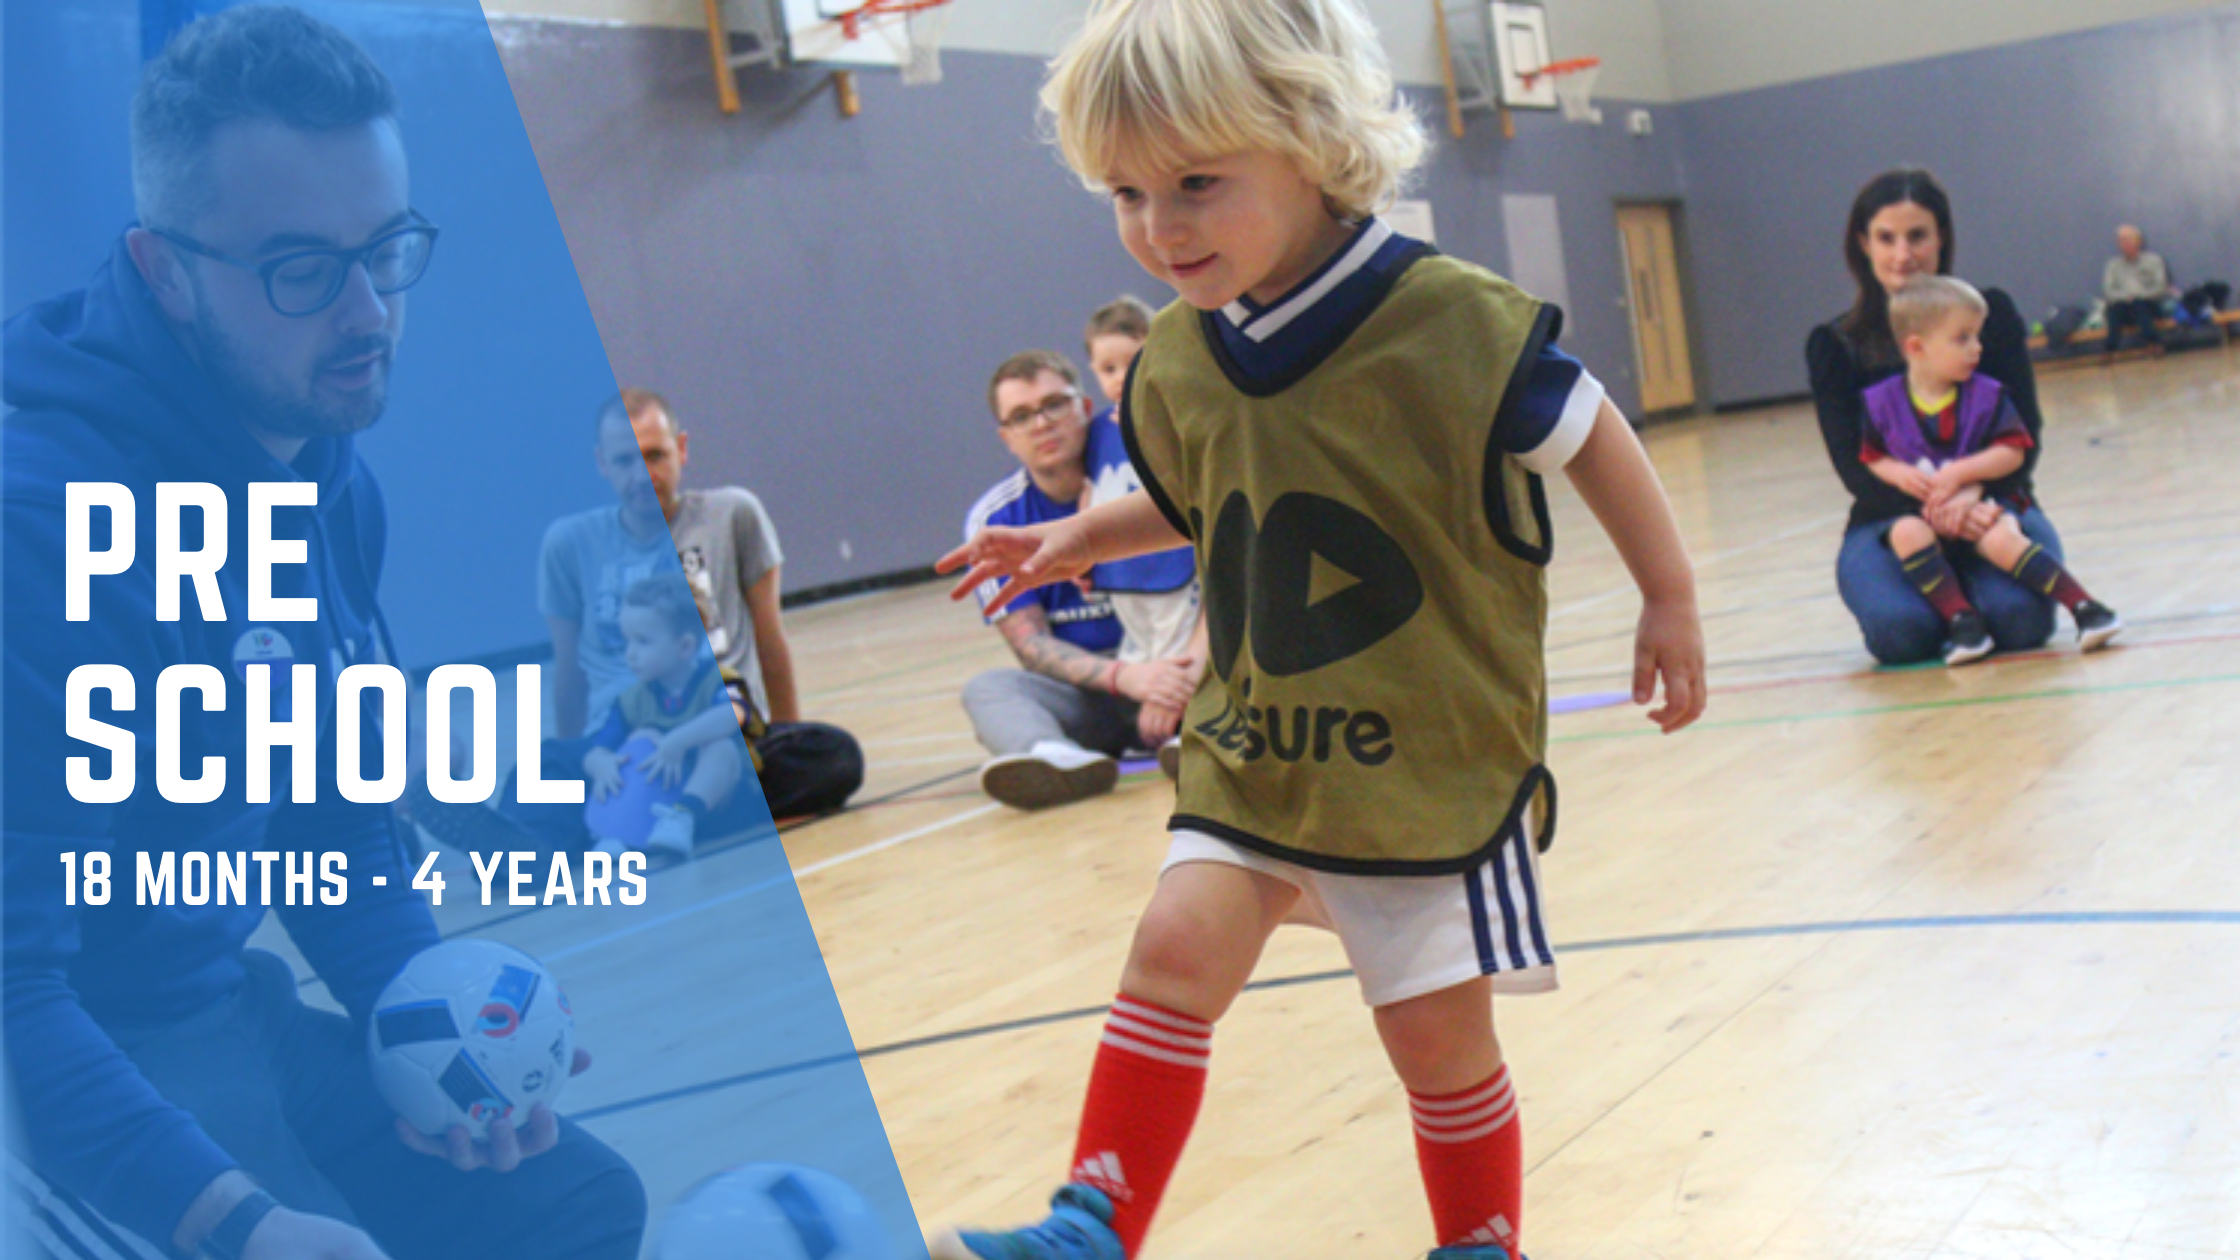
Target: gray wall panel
<point>1718,46</point>
<point>2044,146</point>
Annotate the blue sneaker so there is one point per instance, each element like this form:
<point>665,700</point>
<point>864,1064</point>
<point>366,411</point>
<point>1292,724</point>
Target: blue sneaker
<point>1079,1228</point>
<point>1490,1251</point>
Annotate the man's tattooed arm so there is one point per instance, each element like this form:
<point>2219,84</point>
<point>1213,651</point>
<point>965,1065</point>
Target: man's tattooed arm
<point>1027,630</point>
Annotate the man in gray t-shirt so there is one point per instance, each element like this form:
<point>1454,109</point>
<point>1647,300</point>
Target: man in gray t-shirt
<point>2134,284</point>
<point>729,552</point>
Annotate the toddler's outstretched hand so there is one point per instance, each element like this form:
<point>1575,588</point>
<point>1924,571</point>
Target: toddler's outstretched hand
<point>1036,555</point>
<point>1669,644</point>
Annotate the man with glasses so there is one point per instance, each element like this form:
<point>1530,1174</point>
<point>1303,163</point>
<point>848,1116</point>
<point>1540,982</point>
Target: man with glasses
<point>1056,725</point>
<point>171,1083</point>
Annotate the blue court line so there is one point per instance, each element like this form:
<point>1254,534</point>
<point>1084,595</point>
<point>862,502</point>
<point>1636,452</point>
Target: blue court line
<point>2071,918</point>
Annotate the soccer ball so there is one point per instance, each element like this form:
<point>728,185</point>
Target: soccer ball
<point>773,1212</point>
<point>470,1032</point>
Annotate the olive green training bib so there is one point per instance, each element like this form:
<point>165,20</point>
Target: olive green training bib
<point>1371,561</point>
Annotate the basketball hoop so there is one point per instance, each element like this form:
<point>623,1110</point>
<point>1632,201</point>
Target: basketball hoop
<point>913,28</point>
<point>1574,84</point>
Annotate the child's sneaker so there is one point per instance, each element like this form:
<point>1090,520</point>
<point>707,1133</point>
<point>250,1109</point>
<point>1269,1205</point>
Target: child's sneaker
<point>671,836</point>
<point>1050,773</point>
<point>1079,1228</point>
<point>1970,639</point>
<point>2097,625</point>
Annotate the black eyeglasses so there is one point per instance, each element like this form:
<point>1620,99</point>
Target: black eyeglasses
<point>307,281</point>
<point>1057,409</point>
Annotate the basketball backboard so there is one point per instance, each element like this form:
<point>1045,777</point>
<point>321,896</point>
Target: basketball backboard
<point>815,33</point>
<point>1520,46</point>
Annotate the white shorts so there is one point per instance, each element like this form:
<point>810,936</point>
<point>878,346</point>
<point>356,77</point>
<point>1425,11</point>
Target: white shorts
<point>1408,935</point>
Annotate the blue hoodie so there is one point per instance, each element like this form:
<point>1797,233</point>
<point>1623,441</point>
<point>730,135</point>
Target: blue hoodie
<point>102,391</point>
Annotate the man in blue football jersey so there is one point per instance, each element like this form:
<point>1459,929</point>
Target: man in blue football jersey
<point>1056,724</point>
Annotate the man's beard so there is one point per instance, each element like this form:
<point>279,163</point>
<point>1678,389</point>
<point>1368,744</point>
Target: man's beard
<point>267,404</point>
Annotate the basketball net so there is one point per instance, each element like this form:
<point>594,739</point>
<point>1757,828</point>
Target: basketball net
<point>912,28</point>
<point>1574,85</point>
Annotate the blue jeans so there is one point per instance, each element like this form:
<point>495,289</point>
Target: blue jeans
<point>1901,627</point>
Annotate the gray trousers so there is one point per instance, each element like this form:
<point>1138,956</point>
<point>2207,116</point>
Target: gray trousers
<point>1012,710</point>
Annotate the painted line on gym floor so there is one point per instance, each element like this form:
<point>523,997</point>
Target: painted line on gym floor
<point>1918,706</point>
<point>842,859</point>
<point>2070,918</point>
<point>896,797</point>
<point>1705,562</point>
<point>790,879</point>
<point>756,835</point>
<point>2013,658</point>
<point>973,755</point>
<point>1621,673</point>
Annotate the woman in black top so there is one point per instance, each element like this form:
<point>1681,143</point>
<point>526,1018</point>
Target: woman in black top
<point>1901,226</point>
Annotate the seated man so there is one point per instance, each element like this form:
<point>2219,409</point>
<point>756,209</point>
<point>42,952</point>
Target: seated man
<point>730,554</point>
<point>2135,283</point>
<point>1056,725</point>
<point>170,1080</point>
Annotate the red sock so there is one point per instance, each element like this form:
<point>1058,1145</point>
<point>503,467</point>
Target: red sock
<point>1144,1092</point>
<point>1471,1149</point>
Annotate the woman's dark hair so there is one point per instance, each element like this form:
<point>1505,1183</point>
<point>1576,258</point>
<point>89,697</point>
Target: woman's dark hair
<point>1867,326</point>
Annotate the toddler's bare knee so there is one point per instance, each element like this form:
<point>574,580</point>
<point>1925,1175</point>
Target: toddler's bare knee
<point>1911,534</point>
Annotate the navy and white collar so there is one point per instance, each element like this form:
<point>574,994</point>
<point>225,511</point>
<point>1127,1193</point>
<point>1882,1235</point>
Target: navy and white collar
<point>1260,323</point>
<point>1265,350</point>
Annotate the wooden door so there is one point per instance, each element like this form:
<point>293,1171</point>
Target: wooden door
<point>1660,325</point>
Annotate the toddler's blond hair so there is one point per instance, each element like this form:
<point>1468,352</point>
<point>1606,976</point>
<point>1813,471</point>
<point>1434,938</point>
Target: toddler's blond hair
<point>1922,306</point>
<point>1167,83</point>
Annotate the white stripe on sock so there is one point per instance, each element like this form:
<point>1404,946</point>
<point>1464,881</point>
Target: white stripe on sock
<point>1153,1015</point>
<point>1152,1033</point>
<point>1160,1054</point>
<point>1488,1129</point>
<point>1468,1102</point>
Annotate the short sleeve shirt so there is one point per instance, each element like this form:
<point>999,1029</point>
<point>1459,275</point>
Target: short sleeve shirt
<point>1086,621</point>
<point>589,561</point>
<point>726,543</point>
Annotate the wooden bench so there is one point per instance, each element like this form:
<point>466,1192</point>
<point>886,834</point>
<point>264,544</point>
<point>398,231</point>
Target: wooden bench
<point>2223,321</point>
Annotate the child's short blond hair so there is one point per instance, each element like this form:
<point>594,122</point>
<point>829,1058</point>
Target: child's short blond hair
<point>1925,302</point>
<point>1169,82</point>
<point>1123,316</point>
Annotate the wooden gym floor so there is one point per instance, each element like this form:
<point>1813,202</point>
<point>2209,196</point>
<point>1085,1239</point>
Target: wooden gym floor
<point>1868,964</point>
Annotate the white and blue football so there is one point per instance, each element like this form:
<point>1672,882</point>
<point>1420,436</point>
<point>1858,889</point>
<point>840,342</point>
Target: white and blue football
<point>470,1033</point>
<point>773,1212</point>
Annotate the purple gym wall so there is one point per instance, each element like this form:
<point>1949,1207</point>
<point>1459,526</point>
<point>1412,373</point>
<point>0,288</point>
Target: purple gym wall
<point>823,299</point>
<point>2045,147</point>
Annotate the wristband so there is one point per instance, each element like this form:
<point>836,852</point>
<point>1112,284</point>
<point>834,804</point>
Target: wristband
<point>231,1236</point>
<point>1112,679</point>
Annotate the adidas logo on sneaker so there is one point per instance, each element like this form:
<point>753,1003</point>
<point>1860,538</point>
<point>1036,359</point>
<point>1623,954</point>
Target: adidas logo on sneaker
<point>1102,1170</point>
